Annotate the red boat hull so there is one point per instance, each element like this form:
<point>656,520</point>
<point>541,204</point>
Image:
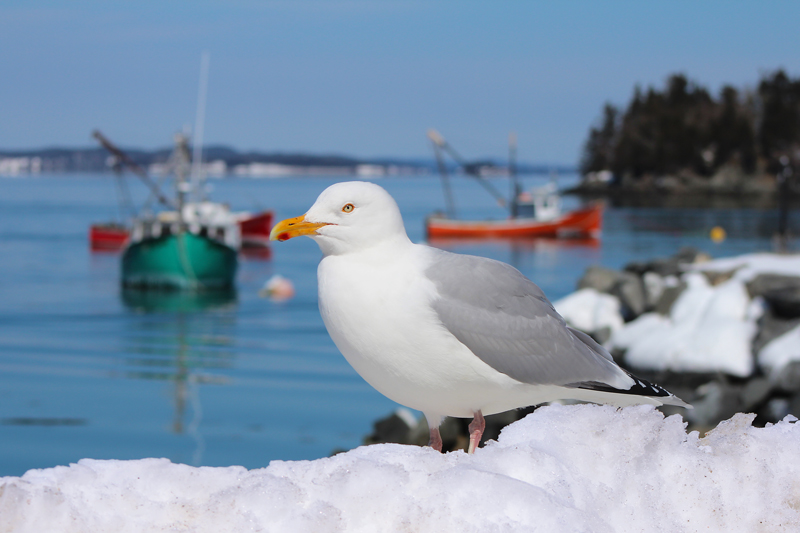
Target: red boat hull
<point>586,222</point>
<point>108,237</point>
<point>255,229</point>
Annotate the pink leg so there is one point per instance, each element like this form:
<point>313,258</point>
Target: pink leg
<point>436,440</point>
<point>476,428</point>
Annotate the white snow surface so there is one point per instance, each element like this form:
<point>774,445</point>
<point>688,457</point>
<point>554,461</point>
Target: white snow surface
<point>590,310</point>
<point>709,329</point>
<point>579,468</point>
<point>749,266</point>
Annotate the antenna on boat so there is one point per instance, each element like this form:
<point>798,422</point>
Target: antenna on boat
<point>438,143</point>
<point>198,191</point>
<point>512,172</point>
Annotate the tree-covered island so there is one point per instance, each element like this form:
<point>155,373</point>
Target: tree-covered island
<point>682,139</point>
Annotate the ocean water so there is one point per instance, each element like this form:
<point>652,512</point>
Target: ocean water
<point>88,370</point>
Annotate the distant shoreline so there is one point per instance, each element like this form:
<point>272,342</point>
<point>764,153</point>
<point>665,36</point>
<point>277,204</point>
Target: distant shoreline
<point>222,161</point>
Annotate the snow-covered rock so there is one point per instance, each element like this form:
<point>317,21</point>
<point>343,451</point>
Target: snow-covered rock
<point>562,469</point>
<point>590,310</point>
<point>780,352</point>
<point>709,329</point>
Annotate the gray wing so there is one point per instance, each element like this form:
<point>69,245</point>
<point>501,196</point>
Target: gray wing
<point>506,320</point>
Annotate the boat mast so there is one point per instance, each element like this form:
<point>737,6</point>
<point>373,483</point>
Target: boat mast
<point>512,172</point>
<point>198,179</point>
<point>180,163</point>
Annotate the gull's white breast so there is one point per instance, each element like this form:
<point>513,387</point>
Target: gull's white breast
<point>376,307</point>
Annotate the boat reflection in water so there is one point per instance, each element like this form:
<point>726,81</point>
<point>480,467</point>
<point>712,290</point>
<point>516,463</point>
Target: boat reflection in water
<point>177,301</point>
<point>184,337</point>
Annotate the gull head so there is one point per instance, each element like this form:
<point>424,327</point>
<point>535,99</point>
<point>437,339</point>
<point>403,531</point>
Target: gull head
<point>347,217</point>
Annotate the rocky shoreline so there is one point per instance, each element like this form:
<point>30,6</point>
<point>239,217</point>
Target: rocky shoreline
<point>716,333</point>
<point>730,187</point>
<point>723,335</point>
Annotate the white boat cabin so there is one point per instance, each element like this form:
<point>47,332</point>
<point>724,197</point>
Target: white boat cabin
<point>541,204</point>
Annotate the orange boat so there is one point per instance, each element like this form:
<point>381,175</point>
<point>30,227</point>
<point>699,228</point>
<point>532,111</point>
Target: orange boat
<point>535,213</point>
<point>585,222</point>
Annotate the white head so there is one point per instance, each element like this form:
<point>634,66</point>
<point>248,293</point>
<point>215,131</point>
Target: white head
<point>347,217</point>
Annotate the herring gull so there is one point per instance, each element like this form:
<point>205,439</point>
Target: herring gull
<point>444,333</point>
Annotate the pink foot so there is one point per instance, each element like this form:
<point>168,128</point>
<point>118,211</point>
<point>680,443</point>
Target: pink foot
<point>436,440</point>
<point>476,428</point>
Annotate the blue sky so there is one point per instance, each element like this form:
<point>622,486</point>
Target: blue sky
<point>366,78</point>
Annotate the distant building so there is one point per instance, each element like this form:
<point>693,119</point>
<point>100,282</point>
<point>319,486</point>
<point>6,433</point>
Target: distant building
<point>17,166</point>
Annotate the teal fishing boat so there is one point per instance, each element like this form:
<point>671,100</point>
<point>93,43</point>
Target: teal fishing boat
<point>192,247</point>
<point>189,243</point>
<point>182,261</point>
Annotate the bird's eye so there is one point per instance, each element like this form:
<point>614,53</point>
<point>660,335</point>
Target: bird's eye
<point>348,208</point>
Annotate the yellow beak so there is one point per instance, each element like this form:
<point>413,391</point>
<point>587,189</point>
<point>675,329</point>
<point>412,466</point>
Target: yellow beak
<point>294,227</point>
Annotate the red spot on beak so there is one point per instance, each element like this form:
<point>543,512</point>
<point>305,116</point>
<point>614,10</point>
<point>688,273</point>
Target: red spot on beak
<point>283,237</point>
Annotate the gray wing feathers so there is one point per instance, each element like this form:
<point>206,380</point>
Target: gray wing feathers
<point>506,320</point>
<point>591,343</point>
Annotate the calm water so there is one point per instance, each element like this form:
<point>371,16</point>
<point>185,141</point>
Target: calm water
<point>89,371</point>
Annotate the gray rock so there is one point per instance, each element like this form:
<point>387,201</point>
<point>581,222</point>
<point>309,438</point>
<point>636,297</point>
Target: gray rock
<point>653,289</point>
<point>781,292</point>
<point>390,429</point>
<point>788,379</point>
<point>602,335</point>
<point>771,327</point>
<point>794,405</point>
<point>599,278</point>
<point>629,288</point>
<point>776,409</point>
<point>637,267</point>
<point>668,266</point>
<point>717,401</point>
<point>755,393</point>
<point>763,283</point>
<point>784,302</point>
<point>668,298</point>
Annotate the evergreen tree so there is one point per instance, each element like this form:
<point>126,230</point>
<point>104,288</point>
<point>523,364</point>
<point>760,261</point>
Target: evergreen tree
<point>599,150</point>
<point>779,130</point>
<point>684,129</point>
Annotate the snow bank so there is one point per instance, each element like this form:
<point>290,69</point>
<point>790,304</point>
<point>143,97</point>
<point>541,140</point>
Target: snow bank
<point>563,468</point>
<point>709,329</point>
<point>590,310</point>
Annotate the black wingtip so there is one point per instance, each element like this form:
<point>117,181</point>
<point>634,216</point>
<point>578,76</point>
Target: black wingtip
<point>640,387</point>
